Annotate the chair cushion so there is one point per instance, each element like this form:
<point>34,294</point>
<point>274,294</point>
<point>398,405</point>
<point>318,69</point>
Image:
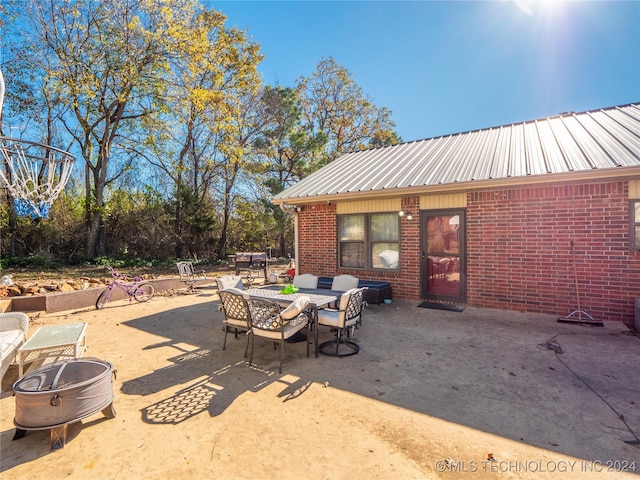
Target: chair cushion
<point>237,291</point>
<point>305,280</point>
<point>230,281</point>
<point>10,341</point>
<point>234,322</point>
<point>345,282</point>
<point>294,309</point>
<point>330,318</point>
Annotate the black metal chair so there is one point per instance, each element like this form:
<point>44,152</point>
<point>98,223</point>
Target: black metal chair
<point>234,307</point>
<point>268,320</point>
<point>343,321</point>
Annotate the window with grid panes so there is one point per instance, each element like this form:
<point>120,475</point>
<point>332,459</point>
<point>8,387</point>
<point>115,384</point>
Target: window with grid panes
<point>369,241</point>
<point>635,224</point>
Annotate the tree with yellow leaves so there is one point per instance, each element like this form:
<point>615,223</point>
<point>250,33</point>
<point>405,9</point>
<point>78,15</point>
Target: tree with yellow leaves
<point>334,105</point>
<point>114,66</point>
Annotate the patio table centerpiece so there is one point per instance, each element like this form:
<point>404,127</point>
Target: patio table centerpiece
<point>289,289</point>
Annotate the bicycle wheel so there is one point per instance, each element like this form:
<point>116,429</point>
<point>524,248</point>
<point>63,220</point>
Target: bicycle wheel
<point>144,292</point>
<point>103,299</point>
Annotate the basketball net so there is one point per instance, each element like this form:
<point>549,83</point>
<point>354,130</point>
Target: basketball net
<point>34,173</point>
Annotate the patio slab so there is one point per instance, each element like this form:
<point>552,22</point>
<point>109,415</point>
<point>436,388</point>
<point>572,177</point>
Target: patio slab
<point>432,394</point>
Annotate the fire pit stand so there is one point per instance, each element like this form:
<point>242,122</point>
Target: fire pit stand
<point>64,392</point>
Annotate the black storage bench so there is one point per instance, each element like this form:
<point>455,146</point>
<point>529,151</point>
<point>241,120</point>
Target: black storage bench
<point>376,291</point>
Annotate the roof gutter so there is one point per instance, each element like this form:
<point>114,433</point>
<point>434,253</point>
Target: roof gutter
<point>629,173</point>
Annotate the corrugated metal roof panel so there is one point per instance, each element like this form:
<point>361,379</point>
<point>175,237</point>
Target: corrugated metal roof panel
<point>415,161</point>
<point>516,155</point>
<point>466,170</point>
<point>482,169</point>
<point>570,151</point>
<point>626,141</point>
<point>425,170</point>
<point>500,163</point>
<point>534,150</point>
<point>554,161</point>
<point>599,139</point>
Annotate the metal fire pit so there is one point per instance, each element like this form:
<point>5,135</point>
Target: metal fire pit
<point>61,393</point>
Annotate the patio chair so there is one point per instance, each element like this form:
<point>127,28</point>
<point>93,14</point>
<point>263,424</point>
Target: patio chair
<point>188,275</point>
<point>233,305</point>
<point>13,332</point>
<point>305,280</point>
<point>342,283</point>
<point>269,321</point>
<point>344,322</point>
<point>229,281</point>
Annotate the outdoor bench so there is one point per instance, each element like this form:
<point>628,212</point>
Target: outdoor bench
<point>376,291</point>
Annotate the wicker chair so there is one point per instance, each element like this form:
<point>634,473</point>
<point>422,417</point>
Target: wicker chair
<point>13,333</point>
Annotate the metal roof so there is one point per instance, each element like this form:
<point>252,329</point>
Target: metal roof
<point>597,140</point>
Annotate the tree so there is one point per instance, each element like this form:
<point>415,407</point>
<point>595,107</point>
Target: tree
<point>107,63</point>
<point>334,105</point>
<point>200,125</point>
<point>235,156</point>
<point>283,148</point>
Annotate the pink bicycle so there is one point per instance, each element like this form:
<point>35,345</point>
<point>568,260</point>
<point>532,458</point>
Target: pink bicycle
<point>139,289</point>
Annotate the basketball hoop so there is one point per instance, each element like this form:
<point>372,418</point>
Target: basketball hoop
<point>34,173</point>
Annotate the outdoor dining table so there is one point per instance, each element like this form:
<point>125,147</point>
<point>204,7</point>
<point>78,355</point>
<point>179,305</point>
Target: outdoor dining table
<point>317,298</point>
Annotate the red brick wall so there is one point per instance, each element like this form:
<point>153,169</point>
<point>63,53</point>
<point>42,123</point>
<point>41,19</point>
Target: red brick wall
<point>318,249</point>
<point>518,250</point>
<point>317,240</point>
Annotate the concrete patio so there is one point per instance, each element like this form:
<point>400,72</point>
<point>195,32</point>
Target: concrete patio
<point>432,394</point>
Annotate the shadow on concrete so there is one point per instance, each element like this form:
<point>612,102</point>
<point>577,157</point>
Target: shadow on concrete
<point>563,387</point>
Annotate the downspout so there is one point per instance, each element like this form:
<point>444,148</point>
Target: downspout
<point>295,239</point>
<point>294,211</point>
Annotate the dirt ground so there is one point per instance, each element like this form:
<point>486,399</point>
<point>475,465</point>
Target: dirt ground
<point>403,408</point>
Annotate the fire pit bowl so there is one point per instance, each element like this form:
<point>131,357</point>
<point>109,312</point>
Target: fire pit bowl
<point>61,393</point>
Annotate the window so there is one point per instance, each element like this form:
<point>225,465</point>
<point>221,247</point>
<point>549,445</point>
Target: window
<point>635,224</point>
<point>369,240</point>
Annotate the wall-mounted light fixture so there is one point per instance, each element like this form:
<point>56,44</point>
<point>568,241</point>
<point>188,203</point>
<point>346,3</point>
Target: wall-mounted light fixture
<point>298,209</point>
<point>407,215</point>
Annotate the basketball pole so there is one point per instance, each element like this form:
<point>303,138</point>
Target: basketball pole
<point>1,133</point>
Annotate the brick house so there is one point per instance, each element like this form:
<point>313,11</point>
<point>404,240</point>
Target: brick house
<point>490,218</point>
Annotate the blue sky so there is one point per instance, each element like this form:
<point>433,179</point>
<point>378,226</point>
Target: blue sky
<point>448,67</point>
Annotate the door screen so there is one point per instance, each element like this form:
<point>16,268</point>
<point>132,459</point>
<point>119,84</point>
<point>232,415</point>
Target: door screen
<point>442,253</point>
